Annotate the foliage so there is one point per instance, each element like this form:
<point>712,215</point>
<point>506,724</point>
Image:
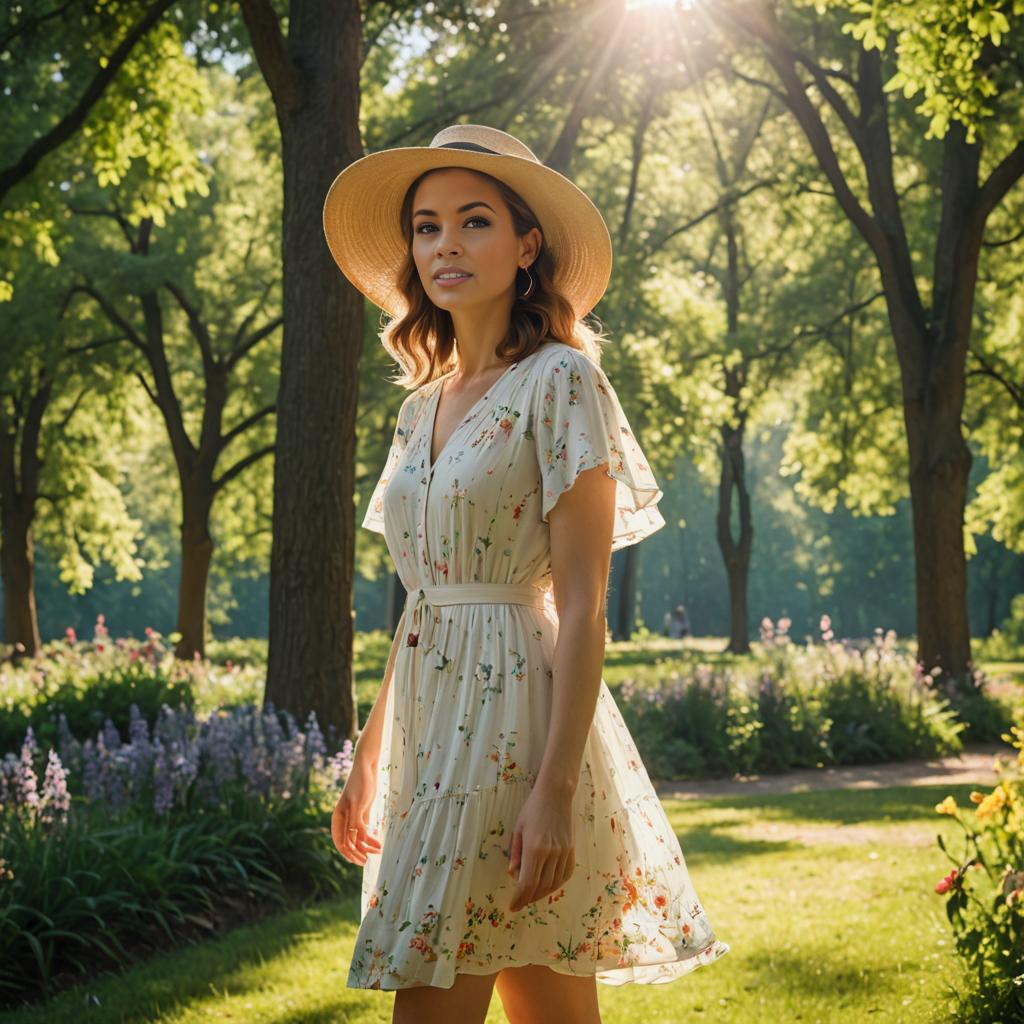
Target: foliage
<point>985,893</point>
<point>956,54</point>
<point>1007,642</point>
<point>89,682</point>
<point>131,131</point>
<point>150,834</point>
<point>799,706</point>
<point>72,413</point>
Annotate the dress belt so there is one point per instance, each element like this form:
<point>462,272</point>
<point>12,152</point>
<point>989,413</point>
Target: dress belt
<point>468,593</point>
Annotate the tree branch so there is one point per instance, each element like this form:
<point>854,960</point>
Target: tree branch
<point>1005,241</point>
<point>252,341</point>
<point>27,162</point>
<point>115,215</point>
<point>145,384</point>
<point>93,345</point>
<point>244,425</point>
<point>74,405</point>
<point>111,313</point>
<point>28,24</point>
<point>1015,391</point>
<point>1003,177</point>
<point>271,50</point>
<point>195,323</point>
<point>726,201</point>
<point>829,92</point>
<point>759,23</point>
<point>241,466</point>
<point>249,317</point>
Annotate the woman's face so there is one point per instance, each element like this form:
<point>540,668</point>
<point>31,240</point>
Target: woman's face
<point>460,220</point>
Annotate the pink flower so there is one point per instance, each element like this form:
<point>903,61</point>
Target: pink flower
<point>946,882</point>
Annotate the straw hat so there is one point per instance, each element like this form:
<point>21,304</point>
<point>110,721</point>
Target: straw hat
<point>361,213</point>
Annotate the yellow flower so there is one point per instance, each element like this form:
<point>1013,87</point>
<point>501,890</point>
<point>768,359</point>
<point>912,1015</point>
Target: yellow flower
<point>976,797</point>
<point>993,802</point>
<point>948,806</point>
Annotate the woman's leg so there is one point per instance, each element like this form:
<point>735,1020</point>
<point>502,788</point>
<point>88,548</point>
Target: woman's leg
<point>535,994</point>
<point>465,1002</point>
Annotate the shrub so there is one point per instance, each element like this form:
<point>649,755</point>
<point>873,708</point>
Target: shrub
<point>800,706</point>
<point>89,681</point>
<point>1007,642</point>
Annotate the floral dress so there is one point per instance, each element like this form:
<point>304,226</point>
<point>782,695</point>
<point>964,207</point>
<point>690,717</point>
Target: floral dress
<point>468,709</point>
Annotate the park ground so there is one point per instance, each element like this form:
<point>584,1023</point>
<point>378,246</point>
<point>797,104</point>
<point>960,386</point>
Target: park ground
<point>821,881</point>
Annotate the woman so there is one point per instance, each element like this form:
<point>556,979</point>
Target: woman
<point>508,832</point>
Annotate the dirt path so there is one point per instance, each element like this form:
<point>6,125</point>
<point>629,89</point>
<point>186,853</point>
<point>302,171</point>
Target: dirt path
<point>974,765</point>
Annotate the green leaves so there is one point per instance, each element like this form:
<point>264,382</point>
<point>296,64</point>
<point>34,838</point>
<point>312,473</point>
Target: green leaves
<point>953,53</point>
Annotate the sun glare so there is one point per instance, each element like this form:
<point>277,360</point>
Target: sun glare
<point>653,5</point>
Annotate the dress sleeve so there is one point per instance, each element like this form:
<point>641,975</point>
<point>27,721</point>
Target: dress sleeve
<point>579,424</point>
<point>374,517</point>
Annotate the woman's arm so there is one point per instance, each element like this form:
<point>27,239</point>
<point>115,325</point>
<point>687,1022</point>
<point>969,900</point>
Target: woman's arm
<point>350,825</point>
<point>581,536</point>
<point>581,523</point>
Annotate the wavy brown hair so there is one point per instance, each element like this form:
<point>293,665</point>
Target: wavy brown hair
<point>423,341</point>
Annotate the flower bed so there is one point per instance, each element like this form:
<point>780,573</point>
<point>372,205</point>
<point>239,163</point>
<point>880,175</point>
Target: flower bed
<point>800,706</point>
<point>985,895</point>
<point>130,842</point>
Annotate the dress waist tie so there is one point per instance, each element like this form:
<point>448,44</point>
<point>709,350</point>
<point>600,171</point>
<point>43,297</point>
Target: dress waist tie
<point>468,593</point>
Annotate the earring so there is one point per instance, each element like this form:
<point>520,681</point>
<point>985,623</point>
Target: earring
<point>529,291</point>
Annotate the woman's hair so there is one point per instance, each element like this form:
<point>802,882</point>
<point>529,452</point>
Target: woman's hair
<point>423,341</point>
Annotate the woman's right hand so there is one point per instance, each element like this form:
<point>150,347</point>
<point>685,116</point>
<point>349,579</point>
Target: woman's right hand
<point>350,820</point>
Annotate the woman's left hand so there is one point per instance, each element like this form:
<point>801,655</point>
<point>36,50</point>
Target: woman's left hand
<point>543,855</point>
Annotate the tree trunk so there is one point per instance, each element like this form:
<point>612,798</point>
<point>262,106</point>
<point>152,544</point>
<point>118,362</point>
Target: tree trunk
<point>940,463</point>
<point>196,554</point>
<point>20,468</point>
<point>625,605</point>
<point>313,76</point>
<point>21,622</point>
<point>396,602</point>
<point>735,553</point>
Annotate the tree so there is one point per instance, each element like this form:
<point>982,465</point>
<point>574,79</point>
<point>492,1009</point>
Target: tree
<point>63,411</point>
<point>66,32</point>
<point>192,301</point>
<point>313,77</point>
<point>851,96</point>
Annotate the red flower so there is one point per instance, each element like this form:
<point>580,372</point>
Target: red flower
<point>660,901</point>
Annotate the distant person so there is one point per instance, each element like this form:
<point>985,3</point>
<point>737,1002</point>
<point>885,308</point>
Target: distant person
<point>677,623</point>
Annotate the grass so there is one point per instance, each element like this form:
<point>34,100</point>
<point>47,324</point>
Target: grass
<point>846,928</point>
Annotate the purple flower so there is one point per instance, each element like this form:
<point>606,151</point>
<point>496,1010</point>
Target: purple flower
<point>163,782</point>
<point>111,737</point>
<point>56,799</point>
<point>26,780</point>
<point>316,748</point>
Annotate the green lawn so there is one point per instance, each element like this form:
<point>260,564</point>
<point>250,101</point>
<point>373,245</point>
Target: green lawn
<point>824,926</point>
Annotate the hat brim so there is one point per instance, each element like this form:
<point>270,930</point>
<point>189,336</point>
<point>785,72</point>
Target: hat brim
<point>361,221</point>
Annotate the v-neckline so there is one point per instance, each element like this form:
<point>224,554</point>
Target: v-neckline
<point>436,397</point>
<point>435,400</point>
